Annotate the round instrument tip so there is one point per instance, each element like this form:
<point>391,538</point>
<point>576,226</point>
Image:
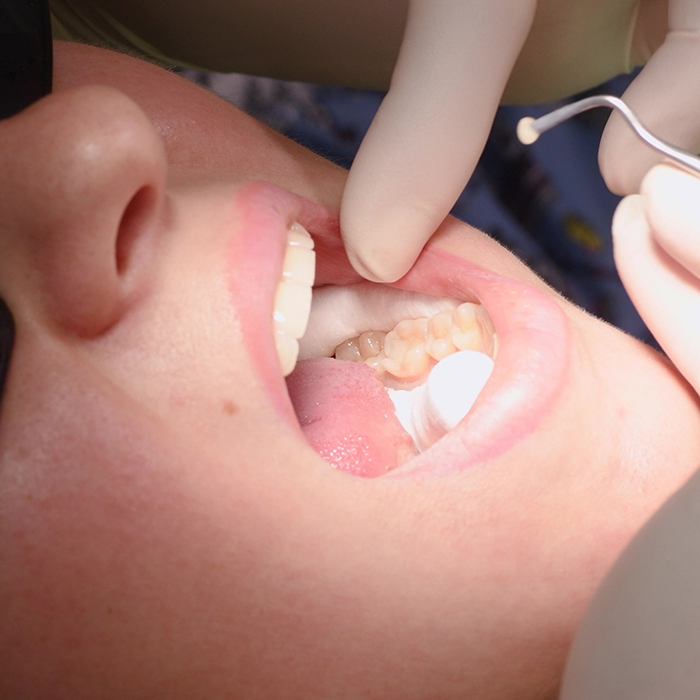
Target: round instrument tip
<point>526,132</point>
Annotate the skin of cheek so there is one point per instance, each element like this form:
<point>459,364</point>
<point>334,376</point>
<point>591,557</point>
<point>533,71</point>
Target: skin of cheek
<point>326,557</point>
<point>337,588</point>
<point>201,132</point>
<point>179,557</point>
<point>138,544</point>
<point>312,555</point>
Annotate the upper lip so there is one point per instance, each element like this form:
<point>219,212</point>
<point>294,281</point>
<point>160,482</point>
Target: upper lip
<point>533,330</point>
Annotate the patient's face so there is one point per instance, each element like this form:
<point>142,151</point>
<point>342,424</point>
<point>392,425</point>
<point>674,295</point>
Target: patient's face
<point>166,529</point>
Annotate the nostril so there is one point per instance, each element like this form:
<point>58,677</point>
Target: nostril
<point>135,220</point>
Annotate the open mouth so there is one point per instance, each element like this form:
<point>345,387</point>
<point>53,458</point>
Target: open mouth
<point>446,368</point>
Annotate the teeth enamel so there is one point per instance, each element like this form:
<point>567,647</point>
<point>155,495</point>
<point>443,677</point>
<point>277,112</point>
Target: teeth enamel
<point>409,350</point>
<point>371,343</point>
<point>439,339</point>
<point>287,351</point>
<point>297,235</point>
<point>293,298</point>
<point>299,259</point>
<point>404,347</point>
<point>472,329</point>
<point>292,308</point>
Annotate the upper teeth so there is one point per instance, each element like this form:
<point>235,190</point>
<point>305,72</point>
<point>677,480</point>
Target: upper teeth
<point>293,298</point>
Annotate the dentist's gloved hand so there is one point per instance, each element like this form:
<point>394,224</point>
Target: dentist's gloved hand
<point>457,59</point>
<point>640,637</point>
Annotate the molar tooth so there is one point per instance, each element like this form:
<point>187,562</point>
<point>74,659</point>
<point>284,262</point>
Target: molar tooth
<point>377,363</point>
<point>440,348</point>
<point>371,343</point>
<point>406,356</point>
<point>440,325</point>
<point>292,308</point>
<point>349,350</point>
<point>464,316</point>
<point>465,328</point>
<point>439,338</point>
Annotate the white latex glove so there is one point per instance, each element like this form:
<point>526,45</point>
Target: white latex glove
<point>431,128</point>
<point>656,237</point>
<point>640,639</point>
<point>455,61</point>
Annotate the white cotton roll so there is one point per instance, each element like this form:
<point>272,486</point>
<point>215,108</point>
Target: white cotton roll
<point>449,393</point>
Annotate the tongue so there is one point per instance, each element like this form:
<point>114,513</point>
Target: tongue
<point>348,417</point>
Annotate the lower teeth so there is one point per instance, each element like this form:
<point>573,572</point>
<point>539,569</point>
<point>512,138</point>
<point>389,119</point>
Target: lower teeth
<point>434,369</point>
<point>407,352</point>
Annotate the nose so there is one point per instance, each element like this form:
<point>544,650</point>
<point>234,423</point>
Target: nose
<point>82,196</point>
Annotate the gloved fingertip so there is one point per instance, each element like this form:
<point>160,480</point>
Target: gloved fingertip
<point>381,263</point>
<point>670,197</point>
<point>629,219</point>
<point>632,245</point>
<point>668,187</point>
<point>383,241</point>
<point>669,178</point>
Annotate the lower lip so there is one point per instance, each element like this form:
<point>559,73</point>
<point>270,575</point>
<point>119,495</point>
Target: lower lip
<point>532,363</point>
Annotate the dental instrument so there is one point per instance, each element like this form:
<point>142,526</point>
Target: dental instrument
<point>530,129</point>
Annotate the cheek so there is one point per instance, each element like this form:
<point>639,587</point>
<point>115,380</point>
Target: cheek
<point>254,569</point>
<point>208,565</point>
<point>111,533</point>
